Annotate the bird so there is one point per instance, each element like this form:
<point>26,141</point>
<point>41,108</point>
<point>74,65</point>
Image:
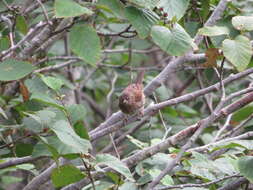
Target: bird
<point>132,98</point>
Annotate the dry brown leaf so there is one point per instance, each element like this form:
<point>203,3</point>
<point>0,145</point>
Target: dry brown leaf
<point>211,55</point>
<point>24,91</point>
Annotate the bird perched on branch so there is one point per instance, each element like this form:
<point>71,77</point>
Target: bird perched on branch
<point>132,99</point>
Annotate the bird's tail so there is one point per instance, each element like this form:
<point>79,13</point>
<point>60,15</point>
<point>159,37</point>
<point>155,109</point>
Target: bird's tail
<point>140,76</point>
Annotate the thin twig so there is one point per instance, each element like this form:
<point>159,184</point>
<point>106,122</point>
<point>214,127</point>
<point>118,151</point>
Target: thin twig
<point>44,12</point>
<point>111,92</point>
<point>237,128</point>
<point>206,98</point>
<point>200,127</point>
<point>89,174</point>
<point>28,35</point>
<point>198,185</point>
<point>76,90</point>
<point>167,130</point>
<point>223,128</point>
<point>213,144</point>
<point>55,67</point>
<point>234,184</point>
<point>121,34</point>
<point>109,102</point>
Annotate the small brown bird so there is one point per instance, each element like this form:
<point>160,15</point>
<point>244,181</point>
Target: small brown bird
<point>132,98</point>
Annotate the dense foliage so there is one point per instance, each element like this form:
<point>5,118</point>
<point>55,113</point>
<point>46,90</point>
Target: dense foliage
<point>64,63</point>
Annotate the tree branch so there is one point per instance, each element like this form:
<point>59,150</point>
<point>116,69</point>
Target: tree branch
<point>171,141</point>
<point>198,185</point>
<point>18,161</point>
<point>107,127</point>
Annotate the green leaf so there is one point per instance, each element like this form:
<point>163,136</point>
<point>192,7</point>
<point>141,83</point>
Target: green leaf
<point>174,8</point>
<point>50,148</point>
<point>114,6</point>
<point>245,167</point>
<point>40,149</point>
<point>204,10</point>
<point>46,117</point>
<point>128,185</point>
<point>243,113</point>
<point>202,166</point>
<point>13,70</point>
<point>174,41</point>
<point>21,24</point>
<point>144,179</point>
<point>41,93</point>
<point>56,149</point>
<point>23,149</point>
<point>76,112</point>
<point>166,180</point>
<point>68,136</point>
<point>36,85</point>
<point>10,179</point>
<point>148,4</point>
<point>114,177</point>
<point>46,99</point>
<point>186,111</point>
<point>114,163</point>
<point>69,8</point>
<point>137,142</point>
<point>81,130</point>
<point>238,51</point>
<point>213,31</point>
<point>4,43</point>
<point>243,22</point>
<point>224,165</point>
<point>85,42</point>
<point>65,175</point>
<point>141,19</point>
<point>32,124</point>
<point>3,113</point>
<point>39,120</point>
<point>52,82</point>
<point>25,166</point>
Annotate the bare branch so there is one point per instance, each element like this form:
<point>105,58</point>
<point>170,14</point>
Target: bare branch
<point>54,67</point>
<point>199,185</point>
<point>113,123</point>
<point>43,177</point>
<point>4,54</point>
<point>17,161</point>
<point>230,133</point>
<point>173,140</point>
<point>205,147</point>
<point>217,113</point>
<point>234,184</point>
<point>223,128</point>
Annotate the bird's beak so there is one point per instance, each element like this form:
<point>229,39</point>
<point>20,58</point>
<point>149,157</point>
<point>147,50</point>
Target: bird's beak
<point>125,101</point>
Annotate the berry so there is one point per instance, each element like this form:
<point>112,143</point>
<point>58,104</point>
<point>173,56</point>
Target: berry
<point>161,9</point>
